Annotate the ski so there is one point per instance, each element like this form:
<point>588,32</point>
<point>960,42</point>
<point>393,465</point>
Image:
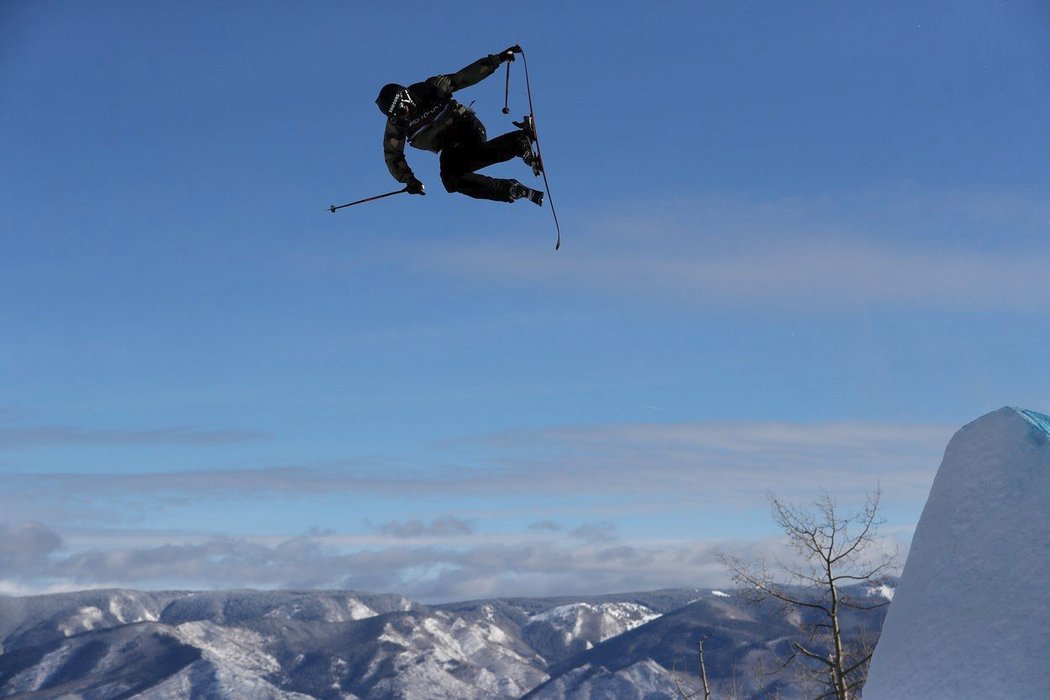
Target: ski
<point>538,166</point>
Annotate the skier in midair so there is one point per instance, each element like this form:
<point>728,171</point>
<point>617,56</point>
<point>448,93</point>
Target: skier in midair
<point>426,117</point>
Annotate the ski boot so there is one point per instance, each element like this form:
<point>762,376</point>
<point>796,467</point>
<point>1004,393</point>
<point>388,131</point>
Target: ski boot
<point>531,156</point>
<point>527,126</point>
<point>520,191</point>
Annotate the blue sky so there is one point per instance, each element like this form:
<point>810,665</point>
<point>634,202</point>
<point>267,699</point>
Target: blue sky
<point>802,245</point>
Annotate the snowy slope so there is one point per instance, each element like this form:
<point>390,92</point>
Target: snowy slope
<point>641,662</point>
<point>965,620</point>
<point>569,629</point>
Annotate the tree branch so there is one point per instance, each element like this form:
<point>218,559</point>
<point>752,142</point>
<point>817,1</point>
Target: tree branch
<point>816,657</point>
<point>837,549</point>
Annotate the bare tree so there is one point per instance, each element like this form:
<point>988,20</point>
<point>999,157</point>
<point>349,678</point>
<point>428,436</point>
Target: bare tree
<point>703,674</point>
<point>834,551</point>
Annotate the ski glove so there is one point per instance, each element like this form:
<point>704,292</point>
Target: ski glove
<point>508,54</point>
<point>414,186</point>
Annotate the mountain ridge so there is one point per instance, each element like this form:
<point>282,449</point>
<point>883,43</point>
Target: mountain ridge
<point>344,645</point>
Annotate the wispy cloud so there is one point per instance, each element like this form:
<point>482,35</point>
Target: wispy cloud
<point>944,252</point>
<point>25,543</point>
<point>697,463</point>
<point>603,532</point>
<point>705,462</point>
<point>65,436</point>
<point>446,526</point>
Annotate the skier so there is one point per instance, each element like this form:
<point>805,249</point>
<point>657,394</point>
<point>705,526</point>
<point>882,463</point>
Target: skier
<point>425,115</point>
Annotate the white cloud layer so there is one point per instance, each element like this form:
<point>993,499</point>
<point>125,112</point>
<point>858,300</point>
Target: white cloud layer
<point>591,562</point>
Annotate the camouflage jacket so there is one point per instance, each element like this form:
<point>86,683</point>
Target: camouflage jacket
<point>436,117</point>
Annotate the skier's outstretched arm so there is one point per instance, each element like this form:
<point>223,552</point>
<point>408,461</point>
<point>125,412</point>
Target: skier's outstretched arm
<point>478,70</point>
<point>394,154</point>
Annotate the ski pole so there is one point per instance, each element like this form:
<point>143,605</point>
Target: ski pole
<point>506,92</point>
<point>333,208</point>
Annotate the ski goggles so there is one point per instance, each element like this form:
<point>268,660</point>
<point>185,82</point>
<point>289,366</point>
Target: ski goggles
<point>402,103</point>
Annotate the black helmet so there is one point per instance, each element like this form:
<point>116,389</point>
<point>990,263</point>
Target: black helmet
<point>393,98</point>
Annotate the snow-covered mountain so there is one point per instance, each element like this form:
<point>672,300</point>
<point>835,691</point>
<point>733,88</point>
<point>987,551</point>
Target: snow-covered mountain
<point>347,646</point>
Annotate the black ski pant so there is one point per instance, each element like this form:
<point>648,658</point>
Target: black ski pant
<point>459,162</point>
